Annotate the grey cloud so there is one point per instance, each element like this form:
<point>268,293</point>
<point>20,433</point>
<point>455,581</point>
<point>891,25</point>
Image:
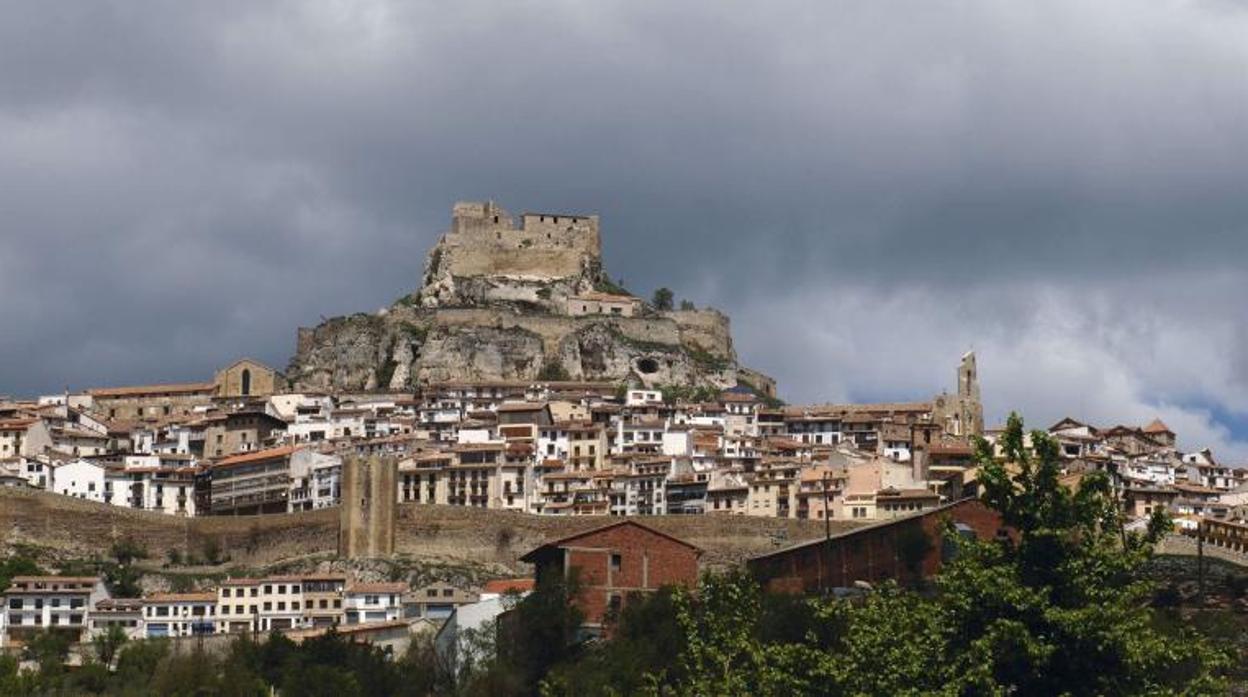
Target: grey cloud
<point>181,183</point>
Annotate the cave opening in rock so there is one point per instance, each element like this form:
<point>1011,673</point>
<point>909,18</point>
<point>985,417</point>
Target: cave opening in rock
<point>647,365</point>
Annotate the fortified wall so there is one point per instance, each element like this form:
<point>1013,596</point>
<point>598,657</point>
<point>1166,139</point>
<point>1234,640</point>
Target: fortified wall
<point>486,257</point>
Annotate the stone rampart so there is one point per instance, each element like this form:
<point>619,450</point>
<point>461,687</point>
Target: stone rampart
<point>81,529</point>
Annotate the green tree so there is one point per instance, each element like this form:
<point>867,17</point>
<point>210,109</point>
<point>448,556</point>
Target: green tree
<point>553,371</point>
<point>127,550</point>
<point>1060,608</point>
<point>663,299</point>
<point>17,566</point>
<point>48,649</point>
<point>108,643</point>
<point>687,305</point>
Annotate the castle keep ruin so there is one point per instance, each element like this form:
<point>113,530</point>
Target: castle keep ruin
<point>519,299</point>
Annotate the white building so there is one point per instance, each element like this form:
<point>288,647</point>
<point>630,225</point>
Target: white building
<point>452,644</point>
<point>126,613</point>
<point>179,614</point>
<point>81,479</point>
<point>373,602</point>
<point>57,603</point>
<point>315,480</point>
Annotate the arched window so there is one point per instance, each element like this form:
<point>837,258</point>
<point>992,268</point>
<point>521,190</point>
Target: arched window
<point>246,381</point>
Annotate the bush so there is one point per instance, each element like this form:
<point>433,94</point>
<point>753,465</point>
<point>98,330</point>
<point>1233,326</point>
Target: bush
<point>553,371</point>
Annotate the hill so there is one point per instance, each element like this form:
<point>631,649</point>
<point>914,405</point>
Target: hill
<point>527,300</point>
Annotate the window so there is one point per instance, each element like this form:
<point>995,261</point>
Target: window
<point>225,592</point>
<point>617,561</point>
<point>246,382</point>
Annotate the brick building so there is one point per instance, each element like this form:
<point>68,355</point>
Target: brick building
<point>874,553</point>
<point>611,562</point>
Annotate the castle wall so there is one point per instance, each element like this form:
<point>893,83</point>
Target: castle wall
<point>483,241</point>
<point>706,329</point>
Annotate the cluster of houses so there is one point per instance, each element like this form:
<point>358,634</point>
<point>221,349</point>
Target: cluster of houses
<point>244,444</point>
<point>611,562</point>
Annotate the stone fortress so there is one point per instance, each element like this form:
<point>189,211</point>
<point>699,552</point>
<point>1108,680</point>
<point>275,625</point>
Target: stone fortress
<point>526,301</point>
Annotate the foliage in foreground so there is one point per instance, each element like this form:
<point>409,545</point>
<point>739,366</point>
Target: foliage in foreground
<point>1060,608</point>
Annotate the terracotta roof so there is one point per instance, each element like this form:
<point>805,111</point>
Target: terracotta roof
<point>1158,427</point>
<point>521,406</point>
<point>16,424</point>
<point>176,388</point>
<point>506,585</point>
<point>605,297</point>
<point>377,588</point>
<point>56,579</point>
<point>256,456</point>
<point>205,597</point>
<point>553,544</point>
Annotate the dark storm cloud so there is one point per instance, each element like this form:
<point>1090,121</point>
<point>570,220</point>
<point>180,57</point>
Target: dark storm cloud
<point>891,183</point>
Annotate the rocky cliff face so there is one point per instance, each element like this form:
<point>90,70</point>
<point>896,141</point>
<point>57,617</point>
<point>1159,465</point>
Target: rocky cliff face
<point>493,306</point>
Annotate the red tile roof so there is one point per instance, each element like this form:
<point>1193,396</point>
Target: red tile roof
<point>507,585</point>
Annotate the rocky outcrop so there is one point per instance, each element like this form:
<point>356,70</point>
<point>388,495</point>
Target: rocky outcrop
<point>493,306</point>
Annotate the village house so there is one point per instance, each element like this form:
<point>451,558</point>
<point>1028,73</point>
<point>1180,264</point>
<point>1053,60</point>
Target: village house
<point>179,614</point>
<point>322,599</point>
<point>435,601</point>
<point>373,602</point>
<point>126,613</point>
<point>33,604</point>
<point>240,432</point>
<point>250,483</point>
<point>613,562</point>
<point>603,304</point>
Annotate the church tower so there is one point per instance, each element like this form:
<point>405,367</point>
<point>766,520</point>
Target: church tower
<point>970,408</point>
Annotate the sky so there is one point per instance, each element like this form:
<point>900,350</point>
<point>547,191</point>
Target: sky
<point>868,189</point>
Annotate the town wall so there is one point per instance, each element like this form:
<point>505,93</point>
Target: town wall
<point>76,529</point>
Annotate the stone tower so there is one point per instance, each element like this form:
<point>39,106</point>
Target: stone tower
<point>366,526</point>
<point>969,407</point>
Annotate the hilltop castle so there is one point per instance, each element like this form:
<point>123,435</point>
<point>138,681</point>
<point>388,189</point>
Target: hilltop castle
<point>508,301</point>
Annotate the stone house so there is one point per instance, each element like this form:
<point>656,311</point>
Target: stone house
<point>603,304</point>
<point>240,432</point>
<point>151,401</point>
